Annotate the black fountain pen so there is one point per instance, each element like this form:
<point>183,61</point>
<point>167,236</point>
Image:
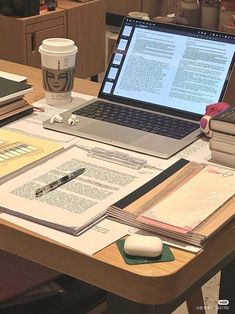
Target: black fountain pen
<point>53,185</point>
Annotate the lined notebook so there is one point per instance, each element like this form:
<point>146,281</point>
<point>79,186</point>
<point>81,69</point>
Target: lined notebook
<point>19,152</point>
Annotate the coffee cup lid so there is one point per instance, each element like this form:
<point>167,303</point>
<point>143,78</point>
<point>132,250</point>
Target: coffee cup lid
<point>58,45</point>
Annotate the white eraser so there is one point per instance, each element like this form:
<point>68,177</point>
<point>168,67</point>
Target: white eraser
<point>139,245</point>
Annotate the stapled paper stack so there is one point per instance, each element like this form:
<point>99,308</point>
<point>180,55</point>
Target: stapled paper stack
<point>77,204</point>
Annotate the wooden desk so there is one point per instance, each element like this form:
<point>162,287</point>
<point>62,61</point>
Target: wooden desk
<point>139,287</point>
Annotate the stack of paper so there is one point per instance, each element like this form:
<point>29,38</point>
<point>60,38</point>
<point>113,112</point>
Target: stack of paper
<point>78,204</point>
<point>185,202</point>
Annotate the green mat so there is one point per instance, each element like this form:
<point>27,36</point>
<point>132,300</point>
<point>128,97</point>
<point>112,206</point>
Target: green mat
<point>166,256</point>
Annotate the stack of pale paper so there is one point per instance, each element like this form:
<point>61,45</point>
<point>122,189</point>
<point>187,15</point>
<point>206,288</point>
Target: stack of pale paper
<point>190,205</point>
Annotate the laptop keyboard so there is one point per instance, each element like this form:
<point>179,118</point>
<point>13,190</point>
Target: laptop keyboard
<point>138,119</point>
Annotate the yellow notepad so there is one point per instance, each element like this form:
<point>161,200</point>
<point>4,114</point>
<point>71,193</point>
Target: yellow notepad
<point>19,151</point>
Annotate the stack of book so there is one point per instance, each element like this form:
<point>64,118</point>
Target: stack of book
<point>222,143</point>
<point>12,104</point>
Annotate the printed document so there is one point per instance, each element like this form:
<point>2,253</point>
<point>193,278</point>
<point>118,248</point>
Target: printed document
<point>80,202</point>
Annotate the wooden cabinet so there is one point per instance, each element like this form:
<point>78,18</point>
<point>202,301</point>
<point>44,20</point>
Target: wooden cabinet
<point>20,38</point>
<point>123,7</point>
<point>86,26</point>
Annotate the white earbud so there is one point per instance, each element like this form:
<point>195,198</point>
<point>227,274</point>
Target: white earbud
<point>56,118</point>
<point>73,119</point>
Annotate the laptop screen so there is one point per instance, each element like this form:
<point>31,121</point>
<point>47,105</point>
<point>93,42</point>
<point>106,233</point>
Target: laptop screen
<point>166,66</point>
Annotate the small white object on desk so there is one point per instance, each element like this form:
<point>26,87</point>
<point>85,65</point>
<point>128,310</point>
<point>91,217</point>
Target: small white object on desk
<point>73,119</point>
<point>139,245</point>
<point>56,118</point>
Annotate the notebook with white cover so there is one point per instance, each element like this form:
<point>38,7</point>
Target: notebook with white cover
<point>156,68</point>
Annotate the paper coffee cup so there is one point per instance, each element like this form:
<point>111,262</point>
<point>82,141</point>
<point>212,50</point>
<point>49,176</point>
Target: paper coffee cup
<point>58,56</point>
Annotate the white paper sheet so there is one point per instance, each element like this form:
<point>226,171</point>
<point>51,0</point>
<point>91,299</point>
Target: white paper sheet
<point>198,151</point>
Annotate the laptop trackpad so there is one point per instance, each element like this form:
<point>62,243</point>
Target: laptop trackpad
<point>111,131</point>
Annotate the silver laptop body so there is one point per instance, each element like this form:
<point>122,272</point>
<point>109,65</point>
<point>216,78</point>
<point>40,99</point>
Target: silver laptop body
<point>158,68</point>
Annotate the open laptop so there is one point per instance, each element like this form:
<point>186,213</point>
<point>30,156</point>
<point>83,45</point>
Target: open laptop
<point>156,69</point>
